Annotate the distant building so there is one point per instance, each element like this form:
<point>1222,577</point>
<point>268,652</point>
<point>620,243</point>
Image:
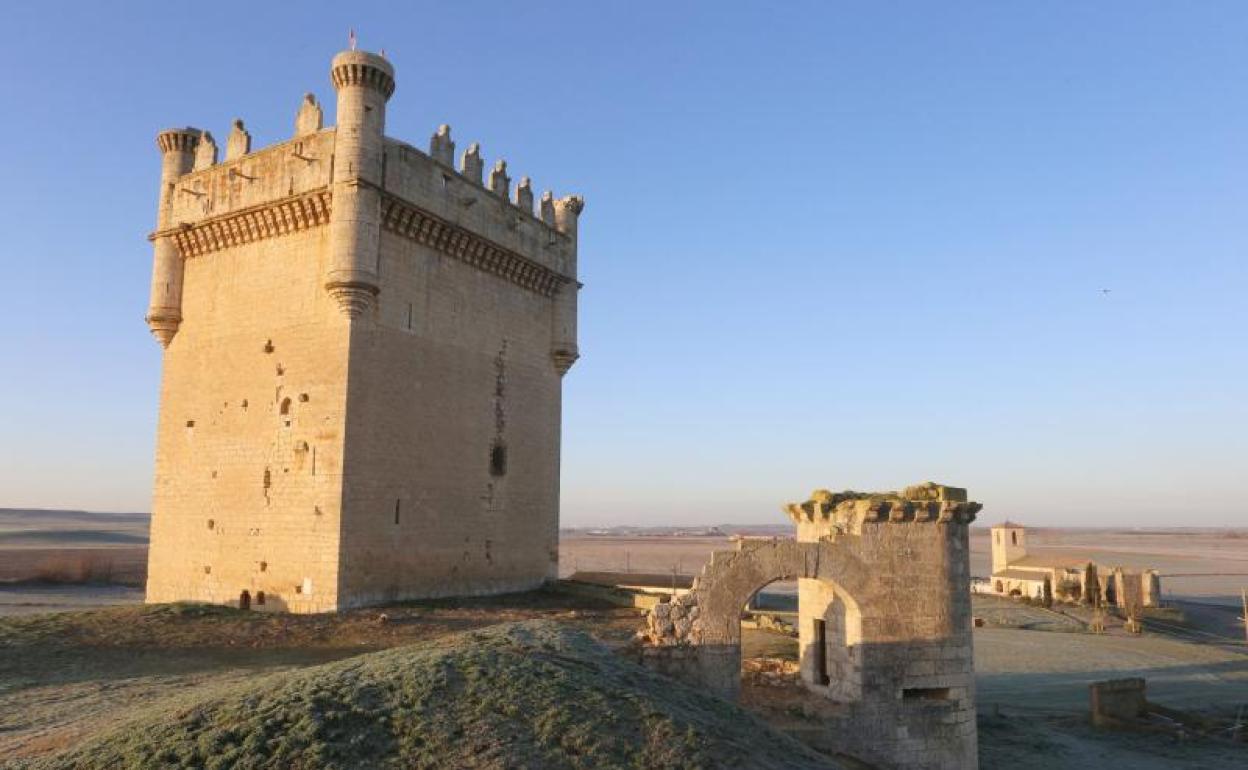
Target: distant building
<point>1017,573</point>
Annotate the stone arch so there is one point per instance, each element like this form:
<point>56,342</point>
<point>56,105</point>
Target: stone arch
<point>732,577</point>
<point>707,621</point>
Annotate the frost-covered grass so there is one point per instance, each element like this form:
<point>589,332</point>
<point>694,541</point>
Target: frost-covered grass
<point>532,694</point>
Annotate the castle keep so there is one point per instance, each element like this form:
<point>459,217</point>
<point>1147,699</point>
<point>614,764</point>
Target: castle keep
<point>363,352</point>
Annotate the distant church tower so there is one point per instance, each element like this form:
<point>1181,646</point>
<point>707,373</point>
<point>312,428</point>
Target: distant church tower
<point>1009,544</point>
<point>363,354</point>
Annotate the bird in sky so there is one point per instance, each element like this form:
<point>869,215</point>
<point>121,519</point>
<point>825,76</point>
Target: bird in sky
<point>1104,291</point>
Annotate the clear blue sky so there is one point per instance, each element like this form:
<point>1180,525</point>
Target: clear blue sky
<point>826,244</point>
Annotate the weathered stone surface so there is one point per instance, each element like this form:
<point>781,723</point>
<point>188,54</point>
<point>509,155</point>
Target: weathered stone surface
<point>310,118</point>
<point>238,143</point>
<point>361,387</point>
<point>884,620</point>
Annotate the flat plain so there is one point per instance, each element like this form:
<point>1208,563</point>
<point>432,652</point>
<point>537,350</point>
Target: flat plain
<point>75,667</point>
<point>1207,565</point>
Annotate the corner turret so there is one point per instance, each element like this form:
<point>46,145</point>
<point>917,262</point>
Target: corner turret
<point>364,82</point>
<point>564,350</point>
<point>164,310</point>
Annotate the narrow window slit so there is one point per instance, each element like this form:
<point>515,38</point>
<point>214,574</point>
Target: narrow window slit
<point>498,460</point>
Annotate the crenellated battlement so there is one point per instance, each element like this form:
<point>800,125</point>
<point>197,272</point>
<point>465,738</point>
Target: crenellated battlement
<point>215,191</point>
<point>472,167</point>
<point>361,68</point>
<point>848,510</point>
<point>459,197</point>
<point>178,139</point>
<point>267,176</point>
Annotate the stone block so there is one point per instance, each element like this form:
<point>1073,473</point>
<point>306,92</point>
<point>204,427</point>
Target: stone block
<point>1117,702</point>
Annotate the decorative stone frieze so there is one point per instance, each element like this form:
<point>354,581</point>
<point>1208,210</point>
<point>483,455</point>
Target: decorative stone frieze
<point>402,218</point>
<point>240,227</point>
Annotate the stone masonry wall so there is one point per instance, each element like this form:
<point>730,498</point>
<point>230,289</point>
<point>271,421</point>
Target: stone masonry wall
<point>895,599</point>
<point>246,497</point>
<point>364,346</point>
<point>455,367</point>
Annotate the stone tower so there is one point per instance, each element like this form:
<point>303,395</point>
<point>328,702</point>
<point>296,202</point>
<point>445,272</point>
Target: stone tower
<point>1009,544</point>
<point>363,354</point>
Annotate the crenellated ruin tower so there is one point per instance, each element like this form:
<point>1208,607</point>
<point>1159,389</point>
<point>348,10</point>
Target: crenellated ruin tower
<point>363,354</point>
<point>884,622</point>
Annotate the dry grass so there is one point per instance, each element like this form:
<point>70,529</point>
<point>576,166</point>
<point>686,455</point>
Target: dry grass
<point>74,566</point>
<point>69,569</point>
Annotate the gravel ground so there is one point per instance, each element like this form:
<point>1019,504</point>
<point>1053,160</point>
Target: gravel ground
<point>1052,670</point>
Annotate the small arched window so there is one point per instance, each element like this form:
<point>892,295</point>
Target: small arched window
<point>285,408</point>
<point>259,598</point>
<point>1014,537</point>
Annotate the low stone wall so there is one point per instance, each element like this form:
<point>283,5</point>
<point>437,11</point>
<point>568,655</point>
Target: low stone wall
<point>1117,702</point>
<point>675,622</point>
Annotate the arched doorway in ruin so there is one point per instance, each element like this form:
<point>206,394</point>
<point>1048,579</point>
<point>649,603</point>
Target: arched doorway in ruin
<point>801,633</point>
<point>830,635</point>
<point>827,618</point>
<point>770,648</point>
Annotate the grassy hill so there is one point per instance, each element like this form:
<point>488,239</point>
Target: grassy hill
<point>532,694</point>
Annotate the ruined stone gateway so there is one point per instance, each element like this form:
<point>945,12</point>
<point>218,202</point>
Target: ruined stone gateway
<point>884,614</point>
<point>363,353</point>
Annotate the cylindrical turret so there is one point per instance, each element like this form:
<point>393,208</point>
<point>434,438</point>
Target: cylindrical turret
<point>564,349</point>
<point>364,82</point>
<point>164,311</point>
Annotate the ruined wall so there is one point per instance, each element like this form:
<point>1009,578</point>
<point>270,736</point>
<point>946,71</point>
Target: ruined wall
<point>889,575</point>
